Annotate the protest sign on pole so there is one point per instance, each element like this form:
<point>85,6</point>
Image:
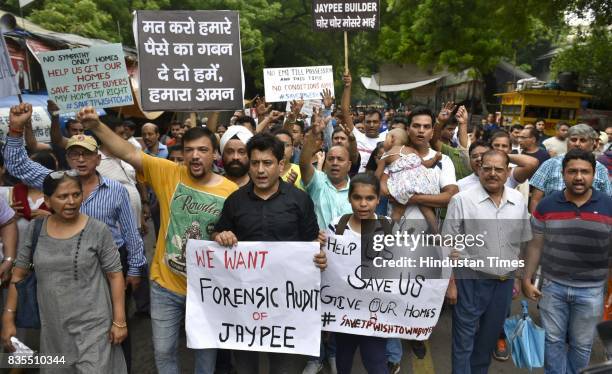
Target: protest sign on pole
<point>41,124</point>
<point>334,15</point>
<point>286,84</point>
<point>407,307</point>
<point>257,296</point>
<point>80,77</point>
<point>8,81</point>
<point>190,60</point>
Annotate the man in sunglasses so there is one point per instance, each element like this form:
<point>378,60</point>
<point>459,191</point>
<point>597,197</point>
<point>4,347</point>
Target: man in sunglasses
<point>104,199</point>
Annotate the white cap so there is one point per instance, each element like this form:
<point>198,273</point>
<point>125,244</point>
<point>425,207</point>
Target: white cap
<point>236,130</point>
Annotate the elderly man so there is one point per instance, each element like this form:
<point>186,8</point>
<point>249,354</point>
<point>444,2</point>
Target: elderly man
<point>234,154</point>
<point>484,290</point>
<point>572,243</point>
<point>549,177</point>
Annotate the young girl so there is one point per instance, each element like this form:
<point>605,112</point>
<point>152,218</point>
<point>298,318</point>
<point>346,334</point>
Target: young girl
<point>364,194</point>
<point>403,173</point>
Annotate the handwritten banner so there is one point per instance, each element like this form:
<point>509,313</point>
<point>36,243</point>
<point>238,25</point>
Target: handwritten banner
<point>41,124</point>
<point>8,82</point>
<point>406,307</point>
<point>80,77</point>
<point>190,60</point>
<point>256,297</point>
<point>345,15</point>
<point>286,84</point>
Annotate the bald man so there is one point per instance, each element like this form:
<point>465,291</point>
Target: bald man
<point>150,137</point>
<point>328,188</point>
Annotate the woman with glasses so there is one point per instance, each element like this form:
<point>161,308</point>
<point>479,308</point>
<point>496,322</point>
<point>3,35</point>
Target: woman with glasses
<point>80,286</point>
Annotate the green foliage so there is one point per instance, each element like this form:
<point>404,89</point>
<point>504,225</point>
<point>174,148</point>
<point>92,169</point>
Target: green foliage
<point>82,17</point>
<point>459,34</point>
<point>590,56</point>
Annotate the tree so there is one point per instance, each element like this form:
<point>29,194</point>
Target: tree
<point>589,56</point>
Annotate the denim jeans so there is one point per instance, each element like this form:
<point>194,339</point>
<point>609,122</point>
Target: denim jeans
<point>394,350</point>
<point>167,314</point>
<point>477,319</point>
<point>569,314</point>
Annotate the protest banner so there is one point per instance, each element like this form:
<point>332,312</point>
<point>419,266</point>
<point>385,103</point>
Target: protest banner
<point>308,107</point>
<point>286,84</point>
<point>256,296</point>
<point>406,307</point>
<point>190,60</point>
<point>347,15</point>
<point>80,77</point>
<point>8,82</point>
<point>41,124</point>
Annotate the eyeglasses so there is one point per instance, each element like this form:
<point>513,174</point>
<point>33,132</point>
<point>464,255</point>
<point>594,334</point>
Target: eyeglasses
<point>60,174</point>
<point>491,169</point>
<point>75,155</point>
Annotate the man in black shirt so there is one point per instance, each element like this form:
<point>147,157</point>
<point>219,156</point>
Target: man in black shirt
<point>529,145</point>
<point>268,209</point>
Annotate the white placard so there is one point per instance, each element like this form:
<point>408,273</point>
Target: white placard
<point>95,76</point>
<point>256,296</point>
<point>376,307</point>
<point>41,124</point>
<point>8,82</point>
<point>307,83</point>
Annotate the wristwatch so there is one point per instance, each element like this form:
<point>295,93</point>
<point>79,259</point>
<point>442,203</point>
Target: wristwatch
<point>9,259</point>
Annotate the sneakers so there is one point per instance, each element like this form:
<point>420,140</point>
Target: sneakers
<point>501,352</point>
<point>332,365</point>
<point>393,368</point>
<point>419,349</point>
<point>313,367</point>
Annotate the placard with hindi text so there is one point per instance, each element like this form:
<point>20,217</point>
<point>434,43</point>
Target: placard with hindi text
<point>190,60</point>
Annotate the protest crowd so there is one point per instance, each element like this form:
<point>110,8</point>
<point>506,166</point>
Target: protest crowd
<point>74,213</point>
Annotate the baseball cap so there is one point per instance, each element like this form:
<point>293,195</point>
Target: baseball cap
<point>85,141</point>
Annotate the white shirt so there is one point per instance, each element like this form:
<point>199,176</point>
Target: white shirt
<point>502,228</point>
<point>441,176</point>
<point>366,145</point>
<point>135,143</point>
<point>559,147</point>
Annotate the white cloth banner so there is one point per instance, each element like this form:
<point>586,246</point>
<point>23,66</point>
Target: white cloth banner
<point>407,309</point>
<point>8,82</point>
<point>256,296</point>
<point>41,124</point>
<point>307,83</point>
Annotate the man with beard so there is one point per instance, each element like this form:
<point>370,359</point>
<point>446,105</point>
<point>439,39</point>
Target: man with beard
<point>234,154</point>
<point>484,292</point>
<point>572,243</point>
<point>150,137</point>
<point>549,177</point>
<point>189,195</point>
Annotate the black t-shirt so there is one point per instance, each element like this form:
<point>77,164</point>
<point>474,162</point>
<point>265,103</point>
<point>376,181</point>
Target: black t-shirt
<point>540,154</point>
<point>288,215</point>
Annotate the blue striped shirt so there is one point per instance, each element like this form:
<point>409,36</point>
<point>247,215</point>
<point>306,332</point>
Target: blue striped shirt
<point>109,202</point>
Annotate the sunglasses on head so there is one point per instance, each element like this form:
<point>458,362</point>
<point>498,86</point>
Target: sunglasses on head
<point>60,174</point>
